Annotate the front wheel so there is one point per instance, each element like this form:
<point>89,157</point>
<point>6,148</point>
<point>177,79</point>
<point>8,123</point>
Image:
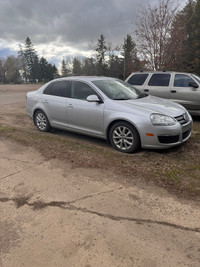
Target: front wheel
<point>41,121</point>
<point>124,137</point>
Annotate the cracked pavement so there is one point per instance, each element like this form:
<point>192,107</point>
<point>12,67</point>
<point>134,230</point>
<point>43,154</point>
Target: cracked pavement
<point>55,215</point>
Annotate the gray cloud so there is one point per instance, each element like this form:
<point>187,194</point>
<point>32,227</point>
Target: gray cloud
<point>64,28</point>
<point>75,23</point>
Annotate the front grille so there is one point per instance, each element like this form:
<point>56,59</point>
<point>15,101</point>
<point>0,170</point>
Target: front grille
<point>186,134</point>
<point>183,119</point>
<point>168,139</point>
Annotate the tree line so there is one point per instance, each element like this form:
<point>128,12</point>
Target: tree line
<point>113,61</point>
<point>166,38</point>
<point>26,67</point>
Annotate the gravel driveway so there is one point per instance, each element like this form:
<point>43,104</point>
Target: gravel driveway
<point>69,200</point>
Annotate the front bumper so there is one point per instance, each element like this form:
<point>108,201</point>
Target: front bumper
<point>166,136</point>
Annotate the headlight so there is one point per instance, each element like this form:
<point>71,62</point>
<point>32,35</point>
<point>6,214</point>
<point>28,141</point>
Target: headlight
<point>162,120</point>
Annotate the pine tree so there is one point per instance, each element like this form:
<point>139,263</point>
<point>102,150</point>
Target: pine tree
<point>129,52</point>
<point>64,70</point>
<point>101,52</point>
<point>30,55</point>
<point>77,68</point>
<point>116,67</point>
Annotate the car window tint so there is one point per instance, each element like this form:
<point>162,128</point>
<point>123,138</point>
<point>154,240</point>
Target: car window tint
<point>182,80</point>
<point>138,79</point>
<point>60,88</point>
<point>81,90</point>
<point>47,90</point>
<point>159,80</point>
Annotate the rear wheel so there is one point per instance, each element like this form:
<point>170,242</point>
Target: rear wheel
<point>124,137</point>
<point>41,121</point>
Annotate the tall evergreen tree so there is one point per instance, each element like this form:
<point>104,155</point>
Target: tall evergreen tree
<point>64,70</point>
<point>116,66</point>
<point>43,70</point>
<point>101,53</point>
<point>129,52</point>
<point>32,67</point>
<point>77,68</point>
<point>30,57</point>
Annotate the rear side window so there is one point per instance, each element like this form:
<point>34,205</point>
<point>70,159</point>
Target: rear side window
<point>182,80</point>
<point>138,79</point>
<point>159,80</point>
<point>60,88</point>
<point>47,91</point>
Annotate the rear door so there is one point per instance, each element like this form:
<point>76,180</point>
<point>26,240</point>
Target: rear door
<point>138,80</point>
<point>158,85</point>
<point>182,92</point>
<point>55,102</point>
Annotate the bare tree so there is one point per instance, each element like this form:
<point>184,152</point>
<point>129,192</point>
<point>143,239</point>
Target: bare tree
<point>153,31</point>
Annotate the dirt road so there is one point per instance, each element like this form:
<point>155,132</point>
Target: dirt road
<point>56,211</point>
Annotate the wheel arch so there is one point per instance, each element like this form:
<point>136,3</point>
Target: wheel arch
<point>119,120</point>
<point>34,112</point>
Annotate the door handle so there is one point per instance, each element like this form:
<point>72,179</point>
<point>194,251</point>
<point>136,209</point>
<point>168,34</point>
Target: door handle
<point>146,90</point>
<point>173,91</point>
<point>45,101</point>
<point>70,106</point>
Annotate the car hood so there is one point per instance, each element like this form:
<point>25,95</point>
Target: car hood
<point>151,104</point>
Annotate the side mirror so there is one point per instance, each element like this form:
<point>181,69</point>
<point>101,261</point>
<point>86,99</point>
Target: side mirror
<point>93,98</point>
<point>193,84</point>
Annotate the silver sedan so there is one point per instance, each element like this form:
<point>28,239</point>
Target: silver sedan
<point>111,109</point>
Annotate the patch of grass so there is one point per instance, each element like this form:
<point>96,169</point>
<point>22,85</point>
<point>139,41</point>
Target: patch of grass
<point>178,169</point>
<point>6,129</point>
<point>173,175</point>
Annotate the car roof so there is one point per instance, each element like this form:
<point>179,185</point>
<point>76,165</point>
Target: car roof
<point>160,71</point>
<point>84,78</point>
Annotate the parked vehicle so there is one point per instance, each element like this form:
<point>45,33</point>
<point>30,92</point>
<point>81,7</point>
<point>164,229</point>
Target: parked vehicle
<point>111,109</point>
<point>183,88</point>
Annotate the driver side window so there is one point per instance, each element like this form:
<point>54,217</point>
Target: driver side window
<point>81,90</point>
<point>182,80</point>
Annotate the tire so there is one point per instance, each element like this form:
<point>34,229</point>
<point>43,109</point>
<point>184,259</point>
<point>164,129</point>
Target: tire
<point>124,137</point>
<point>41,121</point>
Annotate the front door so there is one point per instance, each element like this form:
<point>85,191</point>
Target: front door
<point>184,94</point>
<point>82,115</point>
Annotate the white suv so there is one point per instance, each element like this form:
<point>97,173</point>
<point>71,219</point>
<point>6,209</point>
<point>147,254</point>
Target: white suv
<point>183,88</point>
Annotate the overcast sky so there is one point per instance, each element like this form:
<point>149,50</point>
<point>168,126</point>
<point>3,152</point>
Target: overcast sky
<point>58,28</point>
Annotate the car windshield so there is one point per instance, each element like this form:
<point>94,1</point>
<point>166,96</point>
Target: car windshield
<point>197,78</point>
<point>118,90</point>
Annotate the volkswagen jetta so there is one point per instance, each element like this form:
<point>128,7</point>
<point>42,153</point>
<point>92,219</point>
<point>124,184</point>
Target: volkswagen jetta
<point>111,109</point>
